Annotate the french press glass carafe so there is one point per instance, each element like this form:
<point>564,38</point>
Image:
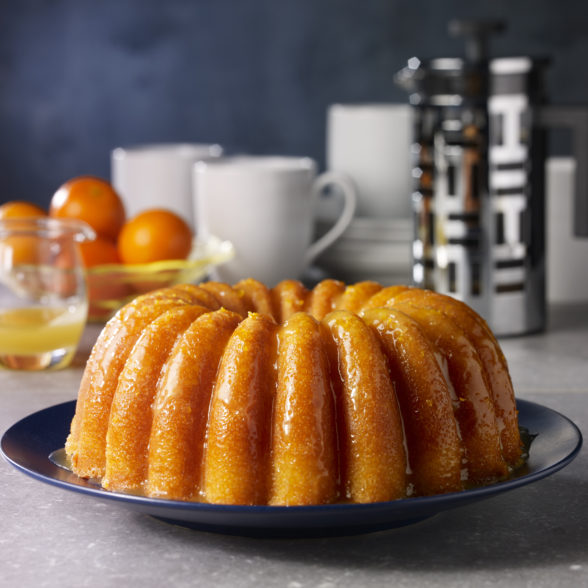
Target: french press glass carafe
<point>479,166</point>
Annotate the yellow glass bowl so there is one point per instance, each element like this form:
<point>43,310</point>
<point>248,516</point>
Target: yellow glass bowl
<point>111,286</point>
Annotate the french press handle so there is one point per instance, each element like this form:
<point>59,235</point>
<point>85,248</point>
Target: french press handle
<point>576,119</point>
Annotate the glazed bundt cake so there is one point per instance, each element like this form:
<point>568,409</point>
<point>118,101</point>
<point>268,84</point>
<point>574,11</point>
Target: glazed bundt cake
<point>289,396</point>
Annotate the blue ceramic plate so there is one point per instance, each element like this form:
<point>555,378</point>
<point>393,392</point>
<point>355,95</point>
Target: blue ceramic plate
<point>32,444</point>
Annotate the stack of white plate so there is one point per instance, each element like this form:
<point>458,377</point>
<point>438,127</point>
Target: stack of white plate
<point>370,249</point>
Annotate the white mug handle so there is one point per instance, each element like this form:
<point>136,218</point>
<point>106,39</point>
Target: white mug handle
<point>349,193</point>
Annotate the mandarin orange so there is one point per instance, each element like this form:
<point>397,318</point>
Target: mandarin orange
<point>20,209</point>
<point>154,235</point>
<point>92,200</point>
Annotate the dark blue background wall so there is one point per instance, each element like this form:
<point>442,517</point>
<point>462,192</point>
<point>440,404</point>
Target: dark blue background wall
<point>79,77</point>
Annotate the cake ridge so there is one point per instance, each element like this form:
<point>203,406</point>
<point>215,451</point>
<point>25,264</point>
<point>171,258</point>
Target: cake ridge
<point>178,429</point>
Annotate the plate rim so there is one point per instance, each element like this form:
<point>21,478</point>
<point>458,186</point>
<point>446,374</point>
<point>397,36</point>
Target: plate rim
<point>253,519</point>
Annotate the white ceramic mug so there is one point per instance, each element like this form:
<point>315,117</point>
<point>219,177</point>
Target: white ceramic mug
<point>371,143</point>
<point>567,265</point>
<point>266,207</point>
<point>158,175</point>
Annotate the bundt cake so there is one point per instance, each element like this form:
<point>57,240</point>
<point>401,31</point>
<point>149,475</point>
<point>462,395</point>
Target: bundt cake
<point>290,396</point>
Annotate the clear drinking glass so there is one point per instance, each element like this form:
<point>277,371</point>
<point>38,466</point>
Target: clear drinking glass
<point>43,296</point>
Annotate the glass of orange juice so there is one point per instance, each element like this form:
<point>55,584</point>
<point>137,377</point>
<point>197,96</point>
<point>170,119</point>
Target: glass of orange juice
<point>43,297</point>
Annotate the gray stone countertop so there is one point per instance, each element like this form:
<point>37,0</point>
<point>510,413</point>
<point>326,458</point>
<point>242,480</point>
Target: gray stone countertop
<point>536,535</point>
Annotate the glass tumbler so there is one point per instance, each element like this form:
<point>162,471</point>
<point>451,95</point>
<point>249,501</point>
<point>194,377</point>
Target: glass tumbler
<point>43,296</point>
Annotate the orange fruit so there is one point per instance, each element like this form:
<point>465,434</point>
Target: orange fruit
<point>20,209</point>
<point>154,235</point>
<point>98,252</point>
<point>92,200</point>
<point>20,249</point>
<point>103,289</point>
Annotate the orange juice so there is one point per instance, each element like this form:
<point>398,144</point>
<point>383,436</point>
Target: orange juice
<point>32,336</point>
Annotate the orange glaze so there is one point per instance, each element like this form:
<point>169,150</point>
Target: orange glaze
<point>130,414</point>
<point>474,409</point>
<point>432,436</point>
<point>227,297</point>
<point>236,466</point>
<point>257,297</point>
<point>493,361</point>
<point>304,461</point>
<point>87,441</point>
<point>371,440</point>
<point>198,295</point>
<point>356,296</point>
<point>289,297</point>
<point>324,298</point>
<point>384,298</point>
<point>180,408</point>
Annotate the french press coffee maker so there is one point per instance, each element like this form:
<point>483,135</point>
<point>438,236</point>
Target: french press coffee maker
<point>479,169</point>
